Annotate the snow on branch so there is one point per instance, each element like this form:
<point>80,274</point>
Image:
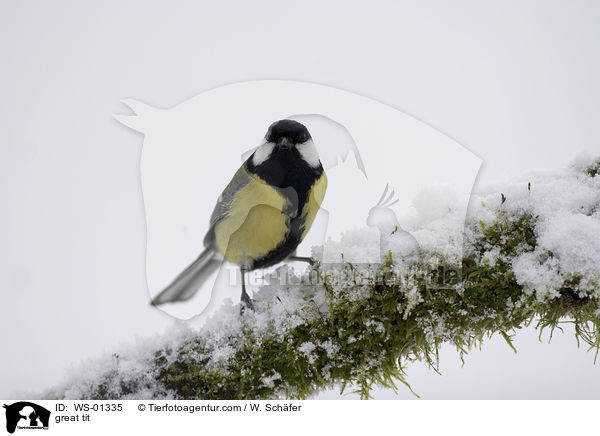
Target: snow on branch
<point>530,255</point>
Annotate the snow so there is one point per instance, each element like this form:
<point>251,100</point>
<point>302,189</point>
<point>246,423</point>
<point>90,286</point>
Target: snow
<point>567,206</point>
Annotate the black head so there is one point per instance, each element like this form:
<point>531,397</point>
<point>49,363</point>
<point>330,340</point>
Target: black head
<point>288,132</point>
<point>287,145</point>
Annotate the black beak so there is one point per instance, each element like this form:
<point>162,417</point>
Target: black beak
<point>285,143</point>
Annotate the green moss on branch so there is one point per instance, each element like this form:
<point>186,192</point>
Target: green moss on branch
<point>364,331</point>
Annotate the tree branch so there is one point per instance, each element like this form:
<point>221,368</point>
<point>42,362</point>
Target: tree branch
<point>530,256</point>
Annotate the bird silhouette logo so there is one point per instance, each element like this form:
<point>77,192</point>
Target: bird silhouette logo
<point>189,154</point>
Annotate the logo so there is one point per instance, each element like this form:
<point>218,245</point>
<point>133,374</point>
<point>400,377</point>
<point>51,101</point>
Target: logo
<point>26,415</point>
<point>362,145</point>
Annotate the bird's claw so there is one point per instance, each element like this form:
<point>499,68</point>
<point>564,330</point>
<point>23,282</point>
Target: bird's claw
<point>246,302</point>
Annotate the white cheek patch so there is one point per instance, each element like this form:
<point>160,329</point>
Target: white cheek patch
<point>262,153</point>
<point>309,153</point>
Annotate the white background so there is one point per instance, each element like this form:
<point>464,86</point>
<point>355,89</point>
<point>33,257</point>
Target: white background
<point>514,82</point>
<point>465,418</point>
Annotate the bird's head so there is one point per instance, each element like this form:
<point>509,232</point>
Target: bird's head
<point>287,137</point>
<point>287,134</point>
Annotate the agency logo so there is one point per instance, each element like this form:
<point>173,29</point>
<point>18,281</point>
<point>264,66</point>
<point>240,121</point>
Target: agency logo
<point>26,415</point>
<point>191,152</point>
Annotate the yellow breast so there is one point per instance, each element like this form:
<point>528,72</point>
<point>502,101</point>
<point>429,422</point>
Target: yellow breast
<point>313,204</point>
<point>257,223</point>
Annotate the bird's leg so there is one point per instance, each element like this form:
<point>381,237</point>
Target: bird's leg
<point>245,299</point>
<point>302,259</point>
<point>293,258</point>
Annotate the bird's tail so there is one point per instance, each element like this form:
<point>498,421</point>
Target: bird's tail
<point>187,283</point>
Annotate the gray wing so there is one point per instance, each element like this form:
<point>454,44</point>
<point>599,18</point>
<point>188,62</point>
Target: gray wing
<point>187,283</point>
<point>240,179</point>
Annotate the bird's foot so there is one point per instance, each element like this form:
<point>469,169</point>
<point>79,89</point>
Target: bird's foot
<point>246,302</point>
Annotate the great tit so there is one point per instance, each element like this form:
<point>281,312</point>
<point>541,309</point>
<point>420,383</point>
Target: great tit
<point>264,212</point>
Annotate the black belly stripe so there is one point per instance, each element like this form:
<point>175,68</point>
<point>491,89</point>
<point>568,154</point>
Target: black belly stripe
<point>286,169</point>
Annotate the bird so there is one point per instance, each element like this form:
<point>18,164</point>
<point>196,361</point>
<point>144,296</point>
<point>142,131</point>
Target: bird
<point>263,214</point>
